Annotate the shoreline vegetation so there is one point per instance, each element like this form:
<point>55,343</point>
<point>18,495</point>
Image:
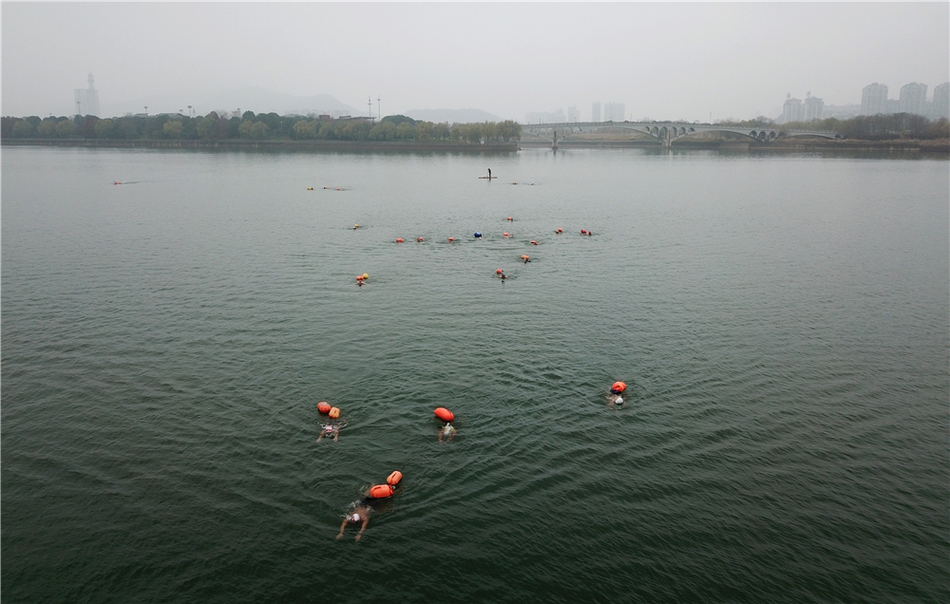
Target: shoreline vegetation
<point>892,133</point>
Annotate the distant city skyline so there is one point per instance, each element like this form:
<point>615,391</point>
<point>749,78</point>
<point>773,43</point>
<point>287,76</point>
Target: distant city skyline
<point>706,62</point>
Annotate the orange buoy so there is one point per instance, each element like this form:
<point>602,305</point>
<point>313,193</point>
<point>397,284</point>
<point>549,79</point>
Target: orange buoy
<point>533,242</point>
<point>506,234</point>
<point>381,491</point>
<point>559,231</point>
<point>359,277</point>
<point>583,231</point>
<point>444,414</point>
<point>419,239</point>
<point>509,219</point>
<point>618,387</point>
<point>451,239</point>
<point>525,256</point>
<point>394,478</point>
<point>323,407</point>
<point>498,271</point>
<point>339,189</point>
<point>334,412</point>
<point>398,239</point>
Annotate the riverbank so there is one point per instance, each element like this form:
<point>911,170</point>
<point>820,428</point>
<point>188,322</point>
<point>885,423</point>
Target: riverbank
<point>940,147</point>
<point>265,145</point>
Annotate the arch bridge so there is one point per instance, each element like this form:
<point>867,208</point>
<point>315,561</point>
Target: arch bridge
<point>667,132</point>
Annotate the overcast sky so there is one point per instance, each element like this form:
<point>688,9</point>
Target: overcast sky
<point>664,61</point>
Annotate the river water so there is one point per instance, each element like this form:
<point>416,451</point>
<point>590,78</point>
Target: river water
<point>781,323</point>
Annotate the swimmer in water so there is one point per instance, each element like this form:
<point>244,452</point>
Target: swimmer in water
<point>448,432</point>
<point>330,430</point>
<point>614,400</point>
<point>359,515</point>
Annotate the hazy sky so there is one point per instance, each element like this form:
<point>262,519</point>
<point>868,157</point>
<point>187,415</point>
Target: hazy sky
<point>664,61</point>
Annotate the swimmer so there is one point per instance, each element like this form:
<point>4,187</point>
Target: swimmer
<point>448,431</point>
<point>330,430</point>
<point>614,400</point>
<point>360,514</point>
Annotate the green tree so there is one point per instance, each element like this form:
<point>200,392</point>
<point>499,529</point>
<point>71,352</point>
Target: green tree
<point>65,128</point>
<point>208,127</point>
<point>172,129</point>
<point>23,129</point>
<point>259,130</point>
<point>47,128</point>
<point>105,129</point>
<point>305,129</point>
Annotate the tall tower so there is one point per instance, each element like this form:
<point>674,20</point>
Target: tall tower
<point>942,101</point>
<point>912,98</point>
<point>87,100</point>
<point>874,99</point>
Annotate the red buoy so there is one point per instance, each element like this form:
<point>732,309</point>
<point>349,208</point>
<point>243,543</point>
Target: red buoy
<point>618,387</point>
<point>533,242</point>
<point>394,478</point>
<point>583,231</point>
<point>323,407</point>
<point>559,231</point>
<point>399,239</point>
<point>498,271</point>
<point>444,414</point>
<point>510,219</point>
<point>451,239</point>
<point>381,491</point>
<point>506,234</point>
<point>419,239</point>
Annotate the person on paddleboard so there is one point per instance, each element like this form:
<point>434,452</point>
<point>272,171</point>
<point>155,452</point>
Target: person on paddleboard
<point>489,173</point>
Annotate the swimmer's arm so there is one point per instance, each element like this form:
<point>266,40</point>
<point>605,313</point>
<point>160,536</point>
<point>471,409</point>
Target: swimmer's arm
<point>362,528</point>
<point>342,526</point>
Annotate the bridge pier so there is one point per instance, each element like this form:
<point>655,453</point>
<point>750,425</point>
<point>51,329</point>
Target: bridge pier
<point>554,145</point>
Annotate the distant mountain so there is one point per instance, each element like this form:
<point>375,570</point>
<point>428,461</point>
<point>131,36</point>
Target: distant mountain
<point>452,116</point>
<point>258,100</point>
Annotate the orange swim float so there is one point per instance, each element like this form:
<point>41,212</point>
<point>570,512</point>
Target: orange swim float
<point>399,240</point>
<point>381,491</point>
<point>334,412</point>
<point>323,407</point>
<point>394,478</point>
<point>444,414</point>
<point>618,387</point>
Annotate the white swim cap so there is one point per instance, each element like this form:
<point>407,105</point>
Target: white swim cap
<point>619,401</point>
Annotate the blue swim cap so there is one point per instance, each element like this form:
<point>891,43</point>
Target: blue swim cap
<point>477,234</point>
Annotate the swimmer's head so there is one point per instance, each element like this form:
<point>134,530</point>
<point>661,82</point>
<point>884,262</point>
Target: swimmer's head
<point>619,401</point>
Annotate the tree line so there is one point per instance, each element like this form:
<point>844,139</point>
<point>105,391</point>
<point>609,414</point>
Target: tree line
<point>251,126</point>
<point>882,126</point>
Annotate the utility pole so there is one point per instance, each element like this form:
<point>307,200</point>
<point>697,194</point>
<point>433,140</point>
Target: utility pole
<point>369,106</point>
<point>379,111</point>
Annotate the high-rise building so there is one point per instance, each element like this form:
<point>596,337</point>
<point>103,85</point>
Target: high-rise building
<point>813,107</point>
<point>874,99</point>
<point>792,110</point>
<point>912,98</point>
<point>87,99</point>
<point>595,112</point>
<point>573,115</point>
<point>941,104</point>
<point>614,112</point>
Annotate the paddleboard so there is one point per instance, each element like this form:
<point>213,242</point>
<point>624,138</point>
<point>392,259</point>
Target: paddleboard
<point>488,177</point>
